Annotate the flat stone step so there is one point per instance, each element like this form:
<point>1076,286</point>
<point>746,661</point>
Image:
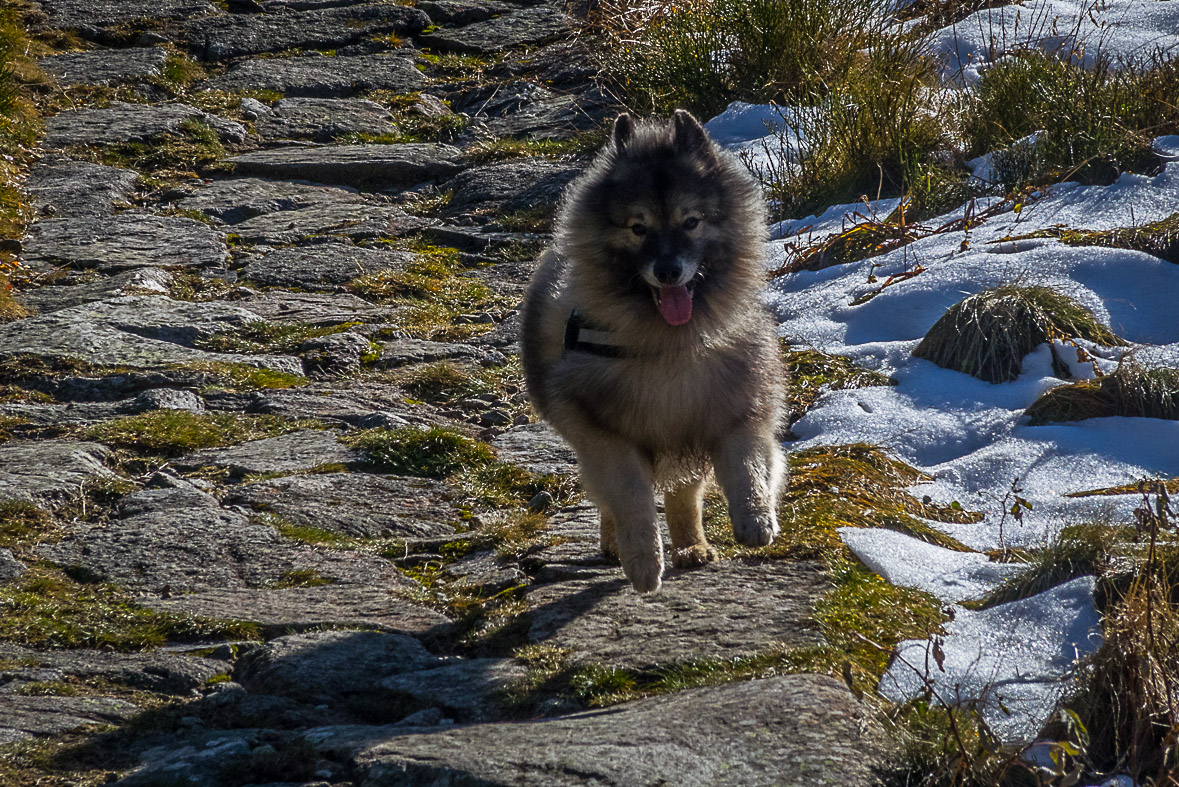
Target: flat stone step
<point>527,27</point>
<point>131,239</point>
<point>121,122</point>
<point>318,76</point>
<point>105,66</point>
<point>803,730</point>
<point>377,166</point>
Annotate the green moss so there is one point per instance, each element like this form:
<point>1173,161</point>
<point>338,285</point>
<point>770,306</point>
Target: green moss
<point>170,432</point>
<point>987,335</point>
<point>268,337</point>
<point>180,71</point>
<point>433,294</point>
<point>44,608</point>
<point>223,376</point>
<point>46,688</point>
<point>7,424</point>
<point>509,148</point>
<point>535,219</point>
<point>22,523</point>
<point>305,534</point>
<point>195,146</point>
<point>813,373</point>
<point>1131,391</point>
<point>429,453</point>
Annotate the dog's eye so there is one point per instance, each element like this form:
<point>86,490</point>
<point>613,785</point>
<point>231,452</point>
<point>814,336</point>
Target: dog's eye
<point>638,229</point>
<point>691,223</point>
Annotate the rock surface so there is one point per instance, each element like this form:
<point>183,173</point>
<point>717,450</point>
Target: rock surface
<point>719,611</point>
<point>227,37</point>
<point>121,122</point>
<point>322,77</point>
<point>63,186</point>
<point>50,472</point>
<point>234,201</point>
<point>105,66</point>
<point>323,119</point>
<point>356,504</point>
<point>354,165</point>
<point>127,240</point>
<point>794,729</point>
<point>290,453</point>
<point>323,266</point>
<point>528,26</point>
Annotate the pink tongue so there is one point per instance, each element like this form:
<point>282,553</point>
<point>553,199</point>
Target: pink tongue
<point>675,304</point>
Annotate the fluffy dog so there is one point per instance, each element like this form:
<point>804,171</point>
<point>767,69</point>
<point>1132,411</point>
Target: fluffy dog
<point>647,348</point>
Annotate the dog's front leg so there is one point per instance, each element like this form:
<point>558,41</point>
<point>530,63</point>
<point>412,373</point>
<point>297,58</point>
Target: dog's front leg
<point>750,466</point>
<point>620,482</point>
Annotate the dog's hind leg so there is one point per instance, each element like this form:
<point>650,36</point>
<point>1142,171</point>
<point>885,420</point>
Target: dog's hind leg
<point>689,546</point>
<point>621,482</point>
<point>609,539</point>
<point>750,468</point>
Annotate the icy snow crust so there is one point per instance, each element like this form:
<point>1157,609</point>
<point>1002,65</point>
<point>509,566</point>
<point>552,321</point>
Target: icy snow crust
<point>972,435</point>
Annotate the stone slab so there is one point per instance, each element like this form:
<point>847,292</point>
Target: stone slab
<point>50,472</point>
<point>64,293</point>
<point>289,453</point>
<point>227,37</point>
<point>235,200</point>
<point>523,184</point>
<point>470,690</point>
<point>89,15</point>
<point>141,332</point>
<point>62,186</point>
<point>537,448</point>
<point>317,76</point>
<point>323,119</point>
<point>131,239</point>
<point>280,611</point>
<point>23,718</point>
<point>403,352</point>
<point>324,266</point>
<point>378,166</point>
<point>122,122</point>
<point>526,27</point>
<point>315,308</point>
<point>180,540</point>
<point>168,673</point>
<point>721,610</point>
<point>797,730</point>
<point>356,221</point>
<point>356,504</point>
<point>105,66</point>
<point>328,666</point>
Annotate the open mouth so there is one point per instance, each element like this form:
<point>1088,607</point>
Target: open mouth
<point>675,301</point>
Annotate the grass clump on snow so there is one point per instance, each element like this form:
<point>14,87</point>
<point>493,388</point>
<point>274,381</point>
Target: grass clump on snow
<point>1092,123</point>
<point>988,334</point>
<point>669,55</point>
<point>171,432</point>
<point>1131,390</point>
<point>1160,238</point>
<point>813,373</point>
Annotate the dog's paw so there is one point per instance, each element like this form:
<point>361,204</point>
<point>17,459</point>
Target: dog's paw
<point>646,573</point>
<point>755,530</point>
<point>610,555</point>
<point>693,556</point>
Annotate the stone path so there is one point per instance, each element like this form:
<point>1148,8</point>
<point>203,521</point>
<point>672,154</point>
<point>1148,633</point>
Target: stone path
<point>254,288</point>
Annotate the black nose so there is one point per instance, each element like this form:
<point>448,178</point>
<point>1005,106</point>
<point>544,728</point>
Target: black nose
<point>668,271</point>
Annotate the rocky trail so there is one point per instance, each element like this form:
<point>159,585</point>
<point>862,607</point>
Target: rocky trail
<point>273,506</point>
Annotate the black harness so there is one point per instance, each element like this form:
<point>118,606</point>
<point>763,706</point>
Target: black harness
<point>580,336</point>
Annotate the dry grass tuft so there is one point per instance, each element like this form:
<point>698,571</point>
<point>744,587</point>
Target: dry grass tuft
<point>987,335</point>
<point>1131,390</point>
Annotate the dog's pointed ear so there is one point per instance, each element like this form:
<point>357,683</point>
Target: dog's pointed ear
<point>690,136</point>
<point>624,129</point>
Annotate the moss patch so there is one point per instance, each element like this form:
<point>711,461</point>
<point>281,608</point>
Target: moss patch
<point>813,373</point>
<point>433,293</point>
<point>431,453</point>
<point>267,338</point>
<point>22,523</point>
<point>171,432</point>
<point>1130,391</point>
<point>194,147</point>
<point>987,335</point>
<point>222,376</point>
<point>44,608</point>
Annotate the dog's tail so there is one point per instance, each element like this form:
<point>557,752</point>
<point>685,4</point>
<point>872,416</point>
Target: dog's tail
<point>542,296</point>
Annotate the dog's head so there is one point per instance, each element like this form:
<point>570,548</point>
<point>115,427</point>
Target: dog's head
<point>664,216</point>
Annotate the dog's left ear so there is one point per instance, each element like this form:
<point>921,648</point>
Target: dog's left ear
<point>624,128</point>
<point>690,136</point>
